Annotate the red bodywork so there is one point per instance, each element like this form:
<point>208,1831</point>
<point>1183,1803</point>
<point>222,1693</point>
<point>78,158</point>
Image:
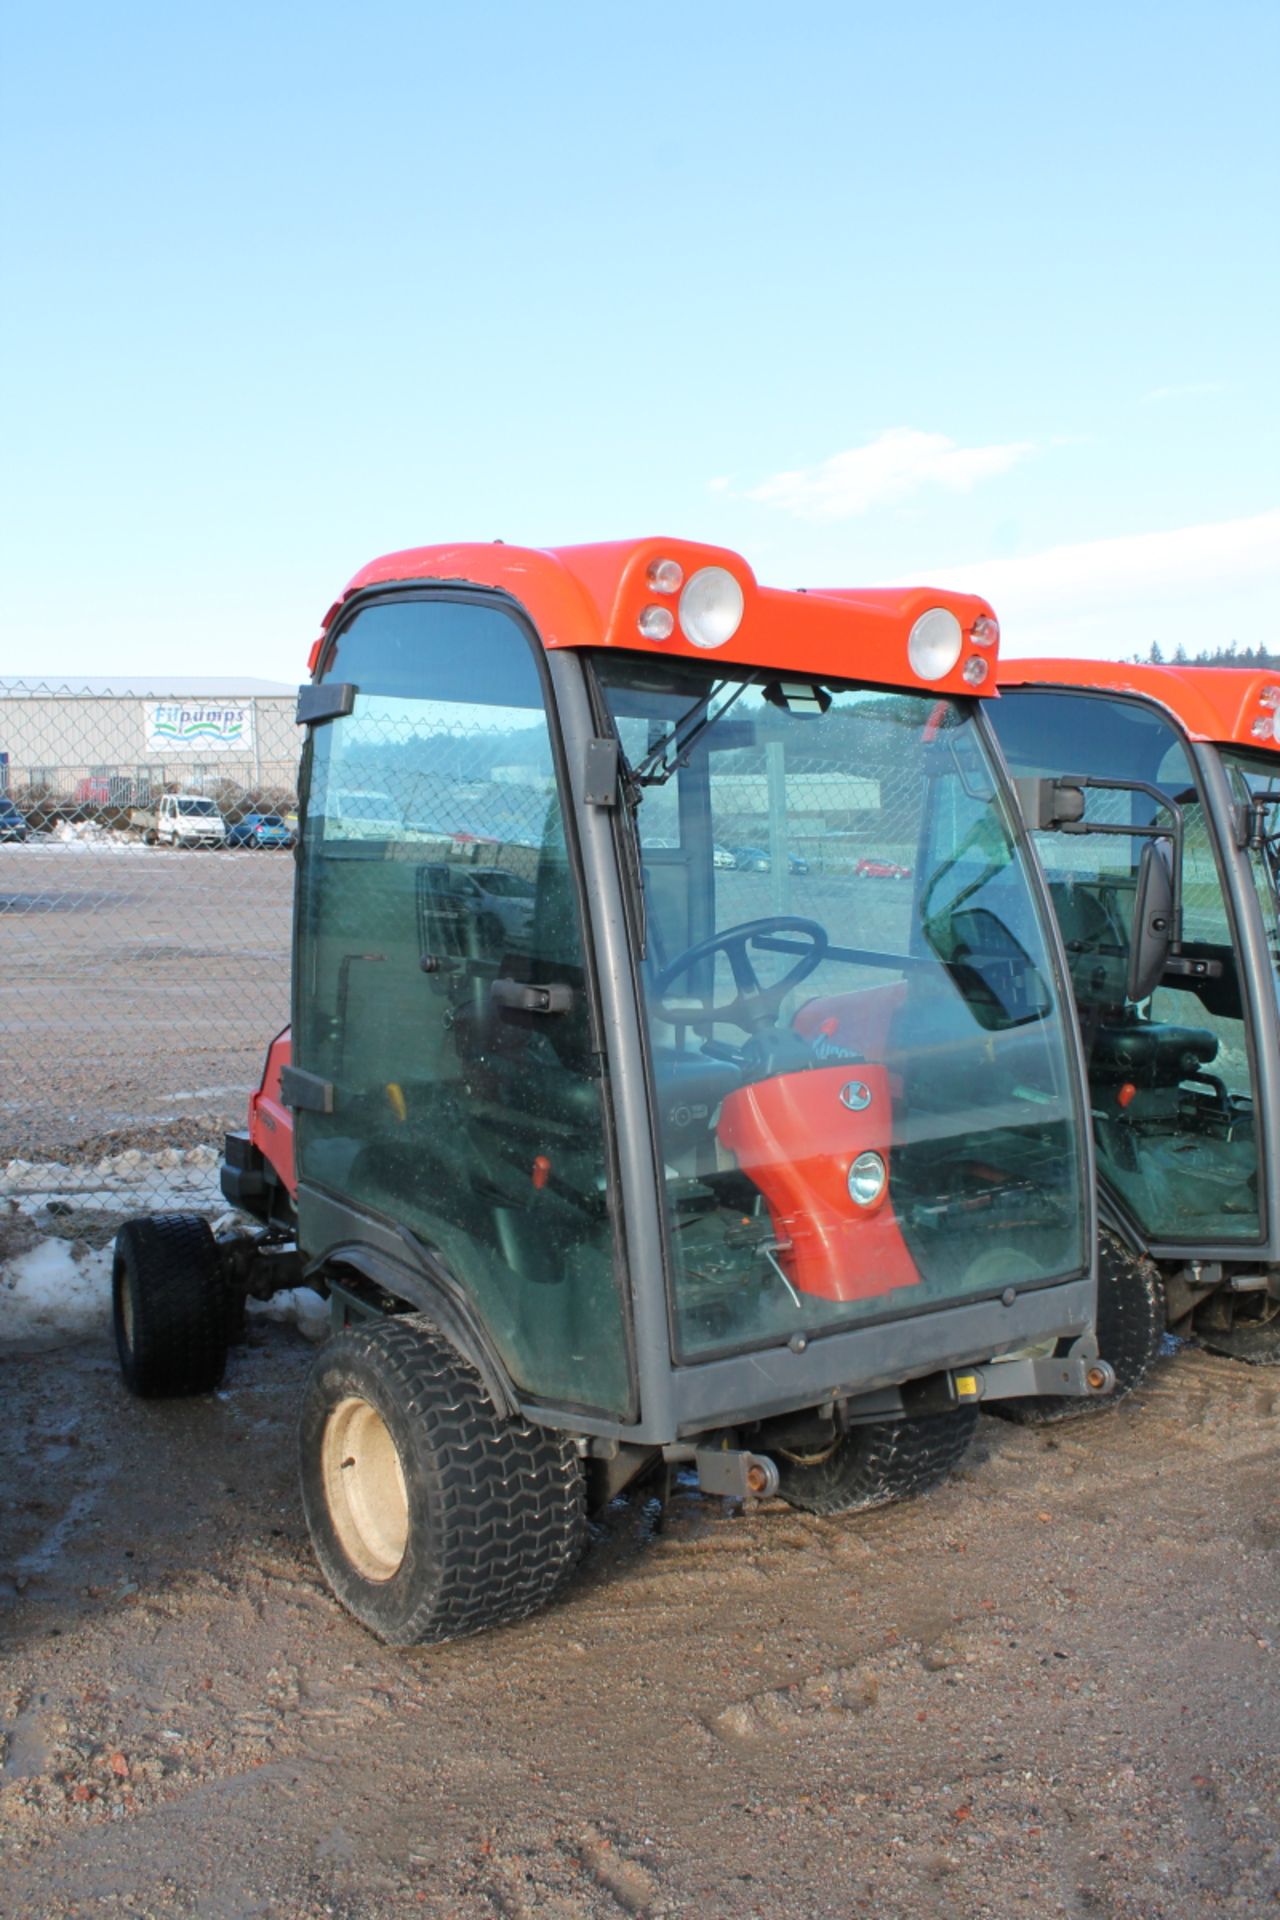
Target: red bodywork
<point>797,1139</point>
<point>594,596</point>
<point>1226,705</point>
<point>270,1121</point>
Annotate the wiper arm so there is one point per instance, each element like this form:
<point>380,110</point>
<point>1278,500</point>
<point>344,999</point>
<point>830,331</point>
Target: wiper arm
<point>667,755</point>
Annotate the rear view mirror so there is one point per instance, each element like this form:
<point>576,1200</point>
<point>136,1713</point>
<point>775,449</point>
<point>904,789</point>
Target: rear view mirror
<point>1047,804</point>
<point>1152,922</point>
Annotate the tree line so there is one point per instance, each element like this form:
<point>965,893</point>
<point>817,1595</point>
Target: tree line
<point>1229,656</point>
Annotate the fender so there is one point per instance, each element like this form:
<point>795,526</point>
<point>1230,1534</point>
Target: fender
<point>431,1290</point>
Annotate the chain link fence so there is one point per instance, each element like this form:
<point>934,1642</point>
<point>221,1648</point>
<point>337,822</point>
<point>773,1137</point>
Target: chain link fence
<point>146,888</point>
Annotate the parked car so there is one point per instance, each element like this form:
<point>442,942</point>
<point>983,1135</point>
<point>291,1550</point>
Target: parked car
<point>756,860</point>
<point>880,870</point>
<point>723,856</point>
<point>13,823</point>
<point>259,830</point>
<point>499,904</point>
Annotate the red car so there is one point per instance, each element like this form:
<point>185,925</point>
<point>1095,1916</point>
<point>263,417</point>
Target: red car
<point>880,870</point>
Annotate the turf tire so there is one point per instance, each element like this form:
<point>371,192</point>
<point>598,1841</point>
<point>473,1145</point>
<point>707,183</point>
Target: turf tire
<point>1132,1319</point>
<point>169,1306</point>
<point>455,1518</point>
<point>1256,1342</point>
<point>875,1463</point>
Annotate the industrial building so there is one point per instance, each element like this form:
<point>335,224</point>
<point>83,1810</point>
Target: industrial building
<point>116,743</point>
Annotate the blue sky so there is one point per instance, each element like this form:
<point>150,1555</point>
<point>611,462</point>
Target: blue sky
<point>981,295</point>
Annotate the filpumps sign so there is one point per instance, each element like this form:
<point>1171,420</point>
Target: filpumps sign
<point>198,726</point>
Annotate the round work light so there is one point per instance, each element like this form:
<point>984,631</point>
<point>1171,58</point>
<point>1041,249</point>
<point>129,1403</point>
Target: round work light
<point>711,607</point>
<point>665,576</point>
<point>657,623</point>
<point>934,645</point>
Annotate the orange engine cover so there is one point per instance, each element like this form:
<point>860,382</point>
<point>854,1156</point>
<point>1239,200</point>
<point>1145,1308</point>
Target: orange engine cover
<point>796,1136</point>
<point>270,1121</point>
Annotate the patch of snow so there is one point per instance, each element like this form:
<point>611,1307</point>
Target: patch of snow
<point>58,1292</point>
<point>301,1307</point>
<point>88,836</point>
<point>197,1093</point>
<point>173,1178</point>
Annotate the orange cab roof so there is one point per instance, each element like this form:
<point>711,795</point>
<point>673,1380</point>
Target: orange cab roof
<point>1227,705</point>
<point>593,596</point>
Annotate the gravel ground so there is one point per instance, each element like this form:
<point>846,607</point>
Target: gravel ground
<point>140,988</point>
<point>1050,1688</point>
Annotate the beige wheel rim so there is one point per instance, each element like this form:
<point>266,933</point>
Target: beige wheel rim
<point>126,1313</point>
<point>364,1489</point>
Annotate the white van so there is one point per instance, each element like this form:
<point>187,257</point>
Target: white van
<point>189,820</point>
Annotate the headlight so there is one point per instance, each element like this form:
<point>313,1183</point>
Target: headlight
<point>711,607</point>
<point>934,645</point>
<point>867,1176</point>
<point>975,670</point>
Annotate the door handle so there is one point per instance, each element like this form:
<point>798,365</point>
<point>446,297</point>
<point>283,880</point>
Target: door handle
<point>553,997</point>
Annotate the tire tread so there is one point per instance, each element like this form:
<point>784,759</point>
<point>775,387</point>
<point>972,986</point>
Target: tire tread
<point>508,1497</point>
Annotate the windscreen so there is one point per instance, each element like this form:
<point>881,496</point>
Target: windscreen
<point>862,1077</point>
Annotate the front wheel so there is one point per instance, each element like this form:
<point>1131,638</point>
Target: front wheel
<point>880,1461</point>
<point>170,1307</point>
<point>430,1513</point>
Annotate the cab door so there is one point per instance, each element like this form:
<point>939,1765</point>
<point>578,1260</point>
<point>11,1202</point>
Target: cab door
<point>451,1080</point>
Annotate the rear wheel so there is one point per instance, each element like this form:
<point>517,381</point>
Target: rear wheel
<point>1251,1334</point>
<point>1131,1323</point>
<point>431,1514</point>
<point>873,1464</point>
<point>170,1307</point>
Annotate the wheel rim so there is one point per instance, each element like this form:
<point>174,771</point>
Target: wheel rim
<point>124,1294</point>
<point>364,1489</point>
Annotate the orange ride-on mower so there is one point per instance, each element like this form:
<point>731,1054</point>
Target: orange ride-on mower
<point>606,1148</point>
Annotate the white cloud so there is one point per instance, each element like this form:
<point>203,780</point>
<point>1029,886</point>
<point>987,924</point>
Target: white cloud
<point>1196,584</point>
<point>1190,390</point>
<point>897,463</point>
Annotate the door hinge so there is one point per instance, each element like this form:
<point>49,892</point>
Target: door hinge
<point>600,773</point>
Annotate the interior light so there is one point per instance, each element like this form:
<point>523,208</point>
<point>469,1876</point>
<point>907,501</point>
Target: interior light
<point>657,623</point>
<point>867,1178</point>
<point>934,645</point>
<point>665,576</point>
<point>711,607</point>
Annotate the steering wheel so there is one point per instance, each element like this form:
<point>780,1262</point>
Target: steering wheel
<point>754,1006</point>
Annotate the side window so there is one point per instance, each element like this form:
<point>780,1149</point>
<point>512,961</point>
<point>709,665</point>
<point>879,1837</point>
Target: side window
<point>435,890</point>
<point>1171,1078</point>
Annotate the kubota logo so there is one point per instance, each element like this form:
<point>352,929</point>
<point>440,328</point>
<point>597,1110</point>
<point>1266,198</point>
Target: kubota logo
<point>855,1094</point>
